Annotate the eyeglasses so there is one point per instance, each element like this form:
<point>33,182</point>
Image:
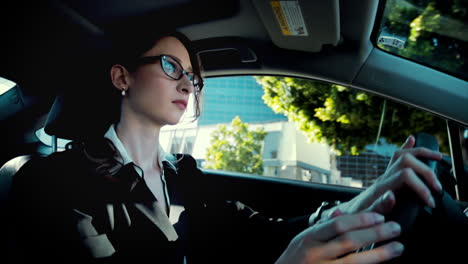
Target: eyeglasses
<point>172,68</point>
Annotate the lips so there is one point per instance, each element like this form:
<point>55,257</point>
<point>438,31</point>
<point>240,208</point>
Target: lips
<point>182,104</point>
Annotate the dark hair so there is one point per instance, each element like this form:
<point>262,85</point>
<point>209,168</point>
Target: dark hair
<point>102,152</point>
<point>124,52</point>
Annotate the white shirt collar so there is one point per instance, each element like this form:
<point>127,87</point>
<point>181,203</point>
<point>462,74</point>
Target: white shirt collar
<point>111,134</point>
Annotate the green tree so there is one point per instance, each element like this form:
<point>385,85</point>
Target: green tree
<point>346,119</point>
<point>435,32</point>
<point>236,148</point>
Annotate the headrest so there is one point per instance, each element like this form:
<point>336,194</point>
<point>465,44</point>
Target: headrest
<point>75,116</point>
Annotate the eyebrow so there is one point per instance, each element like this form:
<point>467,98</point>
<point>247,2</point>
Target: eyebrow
<point>190,69</point>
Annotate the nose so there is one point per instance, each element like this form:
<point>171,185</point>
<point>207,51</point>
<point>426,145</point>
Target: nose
<point>185,85</point>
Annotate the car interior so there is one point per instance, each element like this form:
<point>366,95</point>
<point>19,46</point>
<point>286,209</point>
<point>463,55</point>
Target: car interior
<point>49,49</point>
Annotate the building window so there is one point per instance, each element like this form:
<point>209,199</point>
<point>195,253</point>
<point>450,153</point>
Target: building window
<point>274,154</point>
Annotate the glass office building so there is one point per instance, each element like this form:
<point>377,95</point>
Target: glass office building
<point>226,97</point>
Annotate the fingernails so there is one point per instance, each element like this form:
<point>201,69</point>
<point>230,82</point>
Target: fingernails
<point>439,186</point>
<point>395,228</point>
<point>408,138</point>
<point>378,218</point>
<point>336,213</point>
<point>388,196</point>
<point>397,249</point>
<point>431,202</point>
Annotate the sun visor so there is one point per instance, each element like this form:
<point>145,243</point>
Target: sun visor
<point>304,25</point>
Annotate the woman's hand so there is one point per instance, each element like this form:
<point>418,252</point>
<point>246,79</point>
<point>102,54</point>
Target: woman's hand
<point>336,241</point>
<point>404,169</point>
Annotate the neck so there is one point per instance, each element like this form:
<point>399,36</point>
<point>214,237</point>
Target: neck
<point>141,142</point>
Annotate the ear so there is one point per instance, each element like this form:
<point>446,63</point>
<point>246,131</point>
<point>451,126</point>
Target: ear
<point>120,77</point>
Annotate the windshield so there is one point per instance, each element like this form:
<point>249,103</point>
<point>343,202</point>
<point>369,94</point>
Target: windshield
<point>431,32</point>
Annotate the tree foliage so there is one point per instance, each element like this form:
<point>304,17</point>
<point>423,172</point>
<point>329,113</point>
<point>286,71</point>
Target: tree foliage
<point>346,119</point>
<point>236,148</point>
<point>435,32</point>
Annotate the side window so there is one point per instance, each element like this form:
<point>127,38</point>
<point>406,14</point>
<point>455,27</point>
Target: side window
<point>11,103</point>
<point>464,141</point>
<point>298,129</point>
<point>47,140</point>
<point>10,99</point>
<point>5,85</point>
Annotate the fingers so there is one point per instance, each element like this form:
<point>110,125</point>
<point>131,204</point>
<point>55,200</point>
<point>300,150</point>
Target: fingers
<point>337,212</point>
<point>428,175</point>
<point>341,235</point>
<point>409,160</point>
<point>345,223</point>
<point>376,255</point>
<point>353,240</point>
<point>409,177</point>
<point>425,153</point>
<point>384,204</point>
<point>409,143</point>
<point>420,153</point>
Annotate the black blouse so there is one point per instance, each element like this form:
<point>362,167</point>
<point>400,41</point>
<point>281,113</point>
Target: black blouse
<point>66,210</point>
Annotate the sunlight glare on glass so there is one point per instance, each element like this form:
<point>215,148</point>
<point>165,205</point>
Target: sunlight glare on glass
<point>433,33</point>
<point>47,139</point>
<point>5,85</point>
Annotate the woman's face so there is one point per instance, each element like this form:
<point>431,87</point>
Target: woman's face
<point>153,96</point>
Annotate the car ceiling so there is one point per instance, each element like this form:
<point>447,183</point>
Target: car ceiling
<point>51,45</point>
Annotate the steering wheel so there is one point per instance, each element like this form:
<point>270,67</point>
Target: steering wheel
<point>426,231</point>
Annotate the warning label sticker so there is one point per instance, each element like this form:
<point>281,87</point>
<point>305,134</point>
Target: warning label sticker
<point>289,16</point>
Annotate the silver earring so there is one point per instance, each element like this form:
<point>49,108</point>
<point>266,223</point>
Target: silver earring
<point>123,91</point>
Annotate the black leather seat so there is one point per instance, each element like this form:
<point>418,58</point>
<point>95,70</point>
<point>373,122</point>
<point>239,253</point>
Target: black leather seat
<point>11,167</point>
<point>7,171</point>
<point>65,120</point>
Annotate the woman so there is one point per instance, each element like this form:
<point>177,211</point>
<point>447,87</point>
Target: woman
<point>109,198</point>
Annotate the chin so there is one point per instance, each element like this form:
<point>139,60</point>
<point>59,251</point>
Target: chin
<point>174,121</point>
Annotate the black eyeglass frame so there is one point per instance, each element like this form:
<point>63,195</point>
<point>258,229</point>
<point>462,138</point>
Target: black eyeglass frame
<point>152,59</point>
